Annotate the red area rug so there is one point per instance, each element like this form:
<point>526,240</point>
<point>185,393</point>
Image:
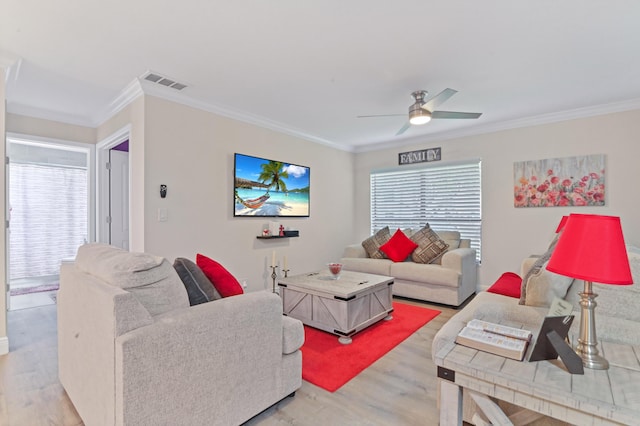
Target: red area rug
<point>329,364</point>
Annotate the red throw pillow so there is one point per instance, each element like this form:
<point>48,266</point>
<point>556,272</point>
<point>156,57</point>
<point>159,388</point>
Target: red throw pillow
<point>399,247</point>
<point>226,284</point>
<point>508,284</point>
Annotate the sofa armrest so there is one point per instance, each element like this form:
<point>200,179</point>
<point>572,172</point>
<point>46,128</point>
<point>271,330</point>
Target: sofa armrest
<point>355,250</point>
<point>463,260</point>
<point>292,335</point>
<point>457,259</point>
<point>202,356</point>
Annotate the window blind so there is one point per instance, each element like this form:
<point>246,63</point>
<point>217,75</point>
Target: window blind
<point>447,197</point>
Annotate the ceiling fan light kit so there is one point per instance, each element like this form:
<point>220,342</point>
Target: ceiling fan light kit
<point>418,116</point>
<point>422,112</point>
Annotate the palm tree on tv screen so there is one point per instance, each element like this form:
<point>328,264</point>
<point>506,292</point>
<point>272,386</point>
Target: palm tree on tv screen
<point>273,174</point>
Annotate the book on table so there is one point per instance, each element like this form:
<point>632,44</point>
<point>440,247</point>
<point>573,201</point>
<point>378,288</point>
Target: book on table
<point>498,339</point>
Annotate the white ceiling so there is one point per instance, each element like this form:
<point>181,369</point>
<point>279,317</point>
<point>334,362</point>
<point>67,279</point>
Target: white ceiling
<point>310,67</point>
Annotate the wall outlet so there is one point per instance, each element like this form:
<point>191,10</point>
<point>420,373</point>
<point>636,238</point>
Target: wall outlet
<point>244,282</point>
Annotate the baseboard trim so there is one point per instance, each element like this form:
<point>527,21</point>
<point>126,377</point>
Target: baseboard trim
<point>4,345</point>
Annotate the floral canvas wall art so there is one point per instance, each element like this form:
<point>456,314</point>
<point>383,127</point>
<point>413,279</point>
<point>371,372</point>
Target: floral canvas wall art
<point>560,182</point>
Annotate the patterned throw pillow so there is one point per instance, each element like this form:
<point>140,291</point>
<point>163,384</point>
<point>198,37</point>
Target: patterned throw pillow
<point>373,243</point>
<point>430,246</point>
<point>399,247</point>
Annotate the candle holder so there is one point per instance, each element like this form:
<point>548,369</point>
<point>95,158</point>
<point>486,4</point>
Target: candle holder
<point>286,272</point>
<point>273,277</point>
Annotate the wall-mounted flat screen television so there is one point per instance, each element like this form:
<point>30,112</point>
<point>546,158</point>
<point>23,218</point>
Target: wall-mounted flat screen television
<point>270,188</point>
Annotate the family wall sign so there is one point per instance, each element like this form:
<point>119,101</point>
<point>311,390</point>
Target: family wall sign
<point>420,156</point>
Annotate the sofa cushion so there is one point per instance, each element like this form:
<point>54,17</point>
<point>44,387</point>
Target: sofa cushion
<point>150,278</point>
<point>621,301</point>
<point>366,265</point>
<point>452,238</point>
<point>420,273</point>
<point>430,246</point>
<point>225,283</point>
<point>199,288</point>
<point>373,243</point>
<point>399,247</point>
<point>508,284</point>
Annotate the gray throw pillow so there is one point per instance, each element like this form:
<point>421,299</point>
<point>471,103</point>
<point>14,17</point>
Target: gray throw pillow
<point>199,288</point>
<point>373,243</point>
<point>536,268</point>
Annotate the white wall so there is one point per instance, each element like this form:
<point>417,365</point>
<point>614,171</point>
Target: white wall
<point>50,129</point>
<point>509,234</point>
<point>191,151</point>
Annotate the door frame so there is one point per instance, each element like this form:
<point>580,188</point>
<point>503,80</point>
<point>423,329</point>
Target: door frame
<point>102,181</point>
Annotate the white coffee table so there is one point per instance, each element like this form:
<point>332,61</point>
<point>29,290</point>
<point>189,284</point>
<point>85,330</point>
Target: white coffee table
<point>342,307</point>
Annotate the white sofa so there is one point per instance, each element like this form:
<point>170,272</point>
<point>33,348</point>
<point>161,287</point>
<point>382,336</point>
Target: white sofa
<point>450,281</point>
<point>133,352</point>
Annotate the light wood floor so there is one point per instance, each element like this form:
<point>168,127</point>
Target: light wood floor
<point>399,389</point>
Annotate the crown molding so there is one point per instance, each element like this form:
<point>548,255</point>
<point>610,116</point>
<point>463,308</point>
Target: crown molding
<point>538,120</point>
<point>228,112</point>
<point>130,93</point>
<point>12,66</point>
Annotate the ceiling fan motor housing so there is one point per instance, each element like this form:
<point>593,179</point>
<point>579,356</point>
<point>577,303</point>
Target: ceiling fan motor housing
<point>418,115</point>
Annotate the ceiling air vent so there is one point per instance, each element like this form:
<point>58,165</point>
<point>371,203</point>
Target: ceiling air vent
<point>164,81</point>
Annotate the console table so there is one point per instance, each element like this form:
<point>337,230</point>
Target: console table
<point>599,397</point>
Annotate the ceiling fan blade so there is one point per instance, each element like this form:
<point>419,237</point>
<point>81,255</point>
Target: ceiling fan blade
<point>382,115</point>
<point>433,103</point>
<point>453,114</point>
<point>403,128</point>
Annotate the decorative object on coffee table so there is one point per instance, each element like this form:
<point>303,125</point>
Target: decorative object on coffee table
<point>335,269</point>
<point>591,248</point>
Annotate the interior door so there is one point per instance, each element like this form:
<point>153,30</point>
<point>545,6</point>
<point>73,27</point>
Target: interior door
<point>119,199</point>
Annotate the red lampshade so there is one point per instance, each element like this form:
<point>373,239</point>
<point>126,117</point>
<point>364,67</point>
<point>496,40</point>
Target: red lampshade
<point>562,223</point>
<point>591,248</point>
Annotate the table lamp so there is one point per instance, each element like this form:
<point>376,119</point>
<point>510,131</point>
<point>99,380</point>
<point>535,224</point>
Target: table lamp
<point>591,248</point>
<point>562,223</point>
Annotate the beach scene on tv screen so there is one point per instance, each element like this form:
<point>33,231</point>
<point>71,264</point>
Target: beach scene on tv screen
<point>270,188</point>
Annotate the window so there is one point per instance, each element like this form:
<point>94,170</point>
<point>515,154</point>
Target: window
<point>48,195</point>
<point>448,197</point>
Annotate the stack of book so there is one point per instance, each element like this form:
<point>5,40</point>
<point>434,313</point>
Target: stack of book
<point>497,339</point>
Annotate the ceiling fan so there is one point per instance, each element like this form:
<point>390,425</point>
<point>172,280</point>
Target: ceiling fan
<point>422,112</point>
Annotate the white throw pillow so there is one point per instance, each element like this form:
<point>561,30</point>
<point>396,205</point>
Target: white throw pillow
<point>543,286</point>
